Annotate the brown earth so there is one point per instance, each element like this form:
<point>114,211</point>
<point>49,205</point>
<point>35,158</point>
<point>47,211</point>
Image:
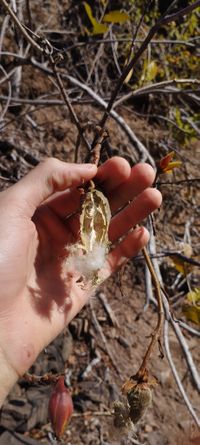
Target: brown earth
<point>23,143</point>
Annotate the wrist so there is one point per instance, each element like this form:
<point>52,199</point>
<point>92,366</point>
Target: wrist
<point>8,377</point>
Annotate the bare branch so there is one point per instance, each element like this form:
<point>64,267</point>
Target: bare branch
<point>143,152</point>
<point>145,155</point>
<point>102,337</point>
<point>156,333</point>
<point>47,49</point>
<point>72,112</point>
<point>188,356</point>
<point>176,376</point>
<point>159,87</point>
<point>9,95</point>
<point>3,30</point>
<point>21,27</point>
<point>162,21</point>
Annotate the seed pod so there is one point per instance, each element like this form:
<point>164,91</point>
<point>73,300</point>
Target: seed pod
<point>94,220</point>
<point>121,414</point>
<point>139,396</point>
<point>60,407</point>
<point>139,400</point>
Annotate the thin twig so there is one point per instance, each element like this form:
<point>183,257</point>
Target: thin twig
<point>144,155</point>
<point>3,31</point>
<point>6,77</point>
<point>181,339</point>
<point>47,48</point>
<point>156,334</point>
<point>108,309</point>
<point>8,97</point>
<point>121,40</point>
<point>148,287</point>
<point>114,52</point>
<point>158,87</point>
<point>188,328</point>
<point>182,181</point>
<point>72,112</point>
<point>162,21</point>
<point>176,376</point>
<point>28,8</point>
<point>89,367</point>
<point>21,27</point>
<point>92,414</point>
<point>95,154</point>
<point>103,339</point>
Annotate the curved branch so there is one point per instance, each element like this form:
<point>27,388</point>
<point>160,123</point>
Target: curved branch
<point>159,87</point>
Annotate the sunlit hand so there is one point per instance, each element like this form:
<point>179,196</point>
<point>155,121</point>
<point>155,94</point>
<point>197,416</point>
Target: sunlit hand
<point>36,302</point>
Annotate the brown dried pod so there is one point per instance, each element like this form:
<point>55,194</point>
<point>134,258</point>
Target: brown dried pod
<point>121,414</point>
<point>139,395</point>
<point>139,399</point>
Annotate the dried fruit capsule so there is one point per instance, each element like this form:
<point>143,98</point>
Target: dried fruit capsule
<point>139,399</point>
<point>60,407</point>
<point>138,393</point>
<point>121,414</point>
<point>94,220</point>
<point>88,256</point>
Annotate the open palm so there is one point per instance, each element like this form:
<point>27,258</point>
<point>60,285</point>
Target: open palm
<point>38,220</point>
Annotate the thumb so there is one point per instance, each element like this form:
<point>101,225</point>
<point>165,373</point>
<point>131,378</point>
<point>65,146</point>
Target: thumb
<point>48,177</point>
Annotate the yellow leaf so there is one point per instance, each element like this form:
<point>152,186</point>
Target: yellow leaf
<point>194,296</point>
<point>116,17</point>
<point>192,313</point>
<point>152,70</point>
<point>191,309</point>
<point>166,165</point>
<point>180,265</point>
<point>172,165</point>
<point>98,28</point>
<point>89,13</point>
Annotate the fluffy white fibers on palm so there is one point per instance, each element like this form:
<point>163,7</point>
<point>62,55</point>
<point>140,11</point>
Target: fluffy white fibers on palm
<point>87,263</point>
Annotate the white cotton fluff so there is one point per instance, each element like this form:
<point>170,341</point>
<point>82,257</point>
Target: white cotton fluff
<point>87,264</point>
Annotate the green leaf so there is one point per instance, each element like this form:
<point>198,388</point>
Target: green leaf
<point>116,17</point>
<point>98,28</point>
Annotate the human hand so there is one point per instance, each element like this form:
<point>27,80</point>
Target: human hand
<point>36,302</point>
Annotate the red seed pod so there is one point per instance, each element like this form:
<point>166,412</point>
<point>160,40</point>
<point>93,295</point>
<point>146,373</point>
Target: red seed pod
<point>60,407</point>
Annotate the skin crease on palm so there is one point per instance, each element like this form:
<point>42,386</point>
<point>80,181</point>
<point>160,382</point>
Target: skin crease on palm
<point>39,218</point>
